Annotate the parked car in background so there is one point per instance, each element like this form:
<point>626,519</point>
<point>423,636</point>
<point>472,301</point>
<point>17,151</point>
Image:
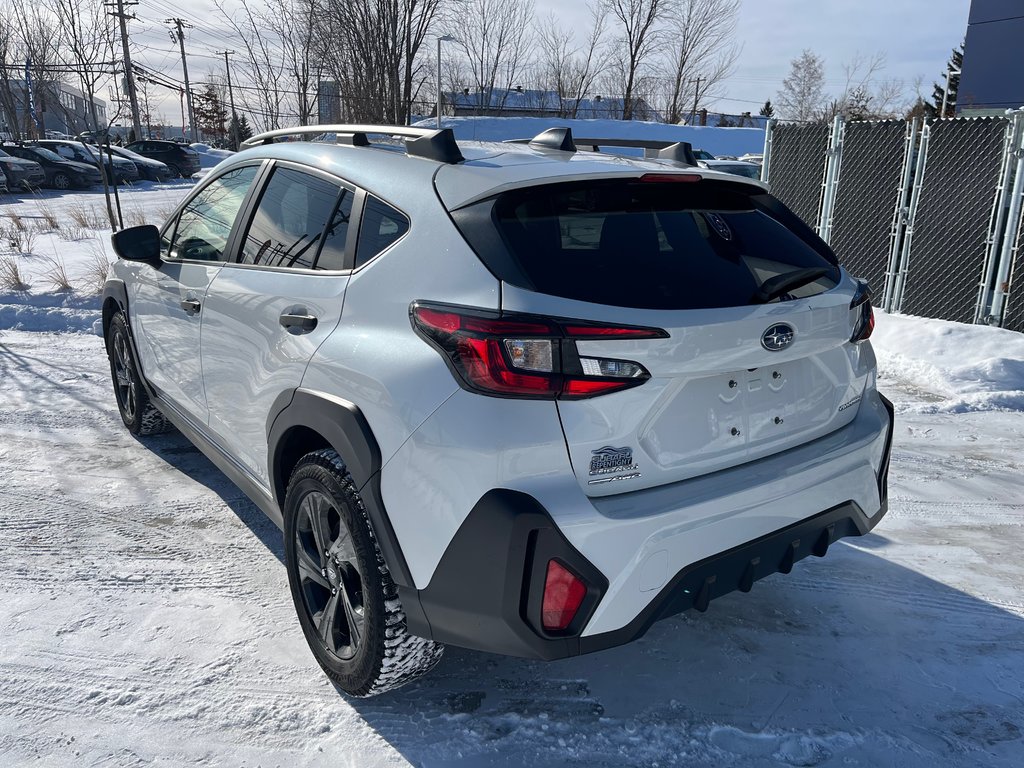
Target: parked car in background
<point>181,159</point>
<point>3,181</point>
<point>703,154</point>
<point>58,172</point>
<point>151,170</point>
<point>735,167</point>
<point>753,157</point>
<point>123,171</point>
<point>20,173</point>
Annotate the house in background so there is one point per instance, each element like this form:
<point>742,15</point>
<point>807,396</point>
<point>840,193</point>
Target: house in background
<point>991,81</point>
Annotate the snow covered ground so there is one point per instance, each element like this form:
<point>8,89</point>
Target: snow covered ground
<point>145,617</point>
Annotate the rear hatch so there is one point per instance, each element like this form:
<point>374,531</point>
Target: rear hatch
<point>756,357</point>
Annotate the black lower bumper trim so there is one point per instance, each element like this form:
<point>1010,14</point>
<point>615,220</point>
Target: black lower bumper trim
<point>737,569</point>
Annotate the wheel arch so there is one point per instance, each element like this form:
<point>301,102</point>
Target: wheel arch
<point>115,299</point>
<point>302,421</point>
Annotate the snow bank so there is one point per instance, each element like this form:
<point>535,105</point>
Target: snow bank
<point>717,141</point>
<point>972,367</point>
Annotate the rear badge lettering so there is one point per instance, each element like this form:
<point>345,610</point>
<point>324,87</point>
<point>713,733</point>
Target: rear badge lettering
<point>612,461</point>
<point>850,404</point>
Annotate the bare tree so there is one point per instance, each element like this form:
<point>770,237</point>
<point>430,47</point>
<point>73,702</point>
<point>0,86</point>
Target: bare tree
<point>372,49</point>
<point>701,50</point>
<point>567,71</point>
<point>89,50</point>
<point>639,21</point>
<point>803,91</point>
<point>495,39</point>
<point>260,65</point>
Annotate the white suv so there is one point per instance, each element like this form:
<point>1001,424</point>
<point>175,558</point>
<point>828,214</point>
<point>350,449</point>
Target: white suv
<point>515,397</point>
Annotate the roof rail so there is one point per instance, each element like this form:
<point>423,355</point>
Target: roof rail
<point>677,151</point>
<point>680,152</point>
<point>433,144</point>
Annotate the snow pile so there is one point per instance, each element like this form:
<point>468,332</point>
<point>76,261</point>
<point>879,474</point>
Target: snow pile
<point>717,141</point>
<point>972,367</point>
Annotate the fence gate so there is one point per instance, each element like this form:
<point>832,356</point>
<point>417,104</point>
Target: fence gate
<point>951,224</point>
<point>797,167</point>
<point>870,198</point>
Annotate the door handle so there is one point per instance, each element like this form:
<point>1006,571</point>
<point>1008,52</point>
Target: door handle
<point>190,305</point>
<point>298,323</point>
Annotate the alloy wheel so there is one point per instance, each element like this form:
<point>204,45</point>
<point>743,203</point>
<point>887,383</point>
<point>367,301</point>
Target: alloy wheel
<point>330,580</point>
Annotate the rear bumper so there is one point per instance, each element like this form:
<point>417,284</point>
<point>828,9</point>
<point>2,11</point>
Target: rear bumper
<point>486,591</point>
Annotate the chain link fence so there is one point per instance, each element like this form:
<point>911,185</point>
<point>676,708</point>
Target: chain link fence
<point>869,185</point>
<point>952,219</point>
<point>930,214</point>
<point>797,167</point>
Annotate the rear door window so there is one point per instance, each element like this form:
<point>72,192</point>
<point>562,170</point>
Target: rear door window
<point>651,245</point>
<point>289,223</point>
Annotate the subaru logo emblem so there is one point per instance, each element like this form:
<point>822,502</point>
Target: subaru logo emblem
<point>778,337</point>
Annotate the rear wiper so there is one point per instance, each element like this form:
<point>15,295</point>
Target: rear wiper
<point>776,286</point>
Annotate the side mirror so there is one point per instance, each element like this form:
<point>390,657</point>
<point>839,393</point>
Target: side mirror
<point>138,244</point>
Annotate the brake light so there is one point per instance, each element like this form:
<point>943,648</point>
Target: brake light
<point>865,322</point>
<point>511,355</point>
<point>671,178</point>
<point>563,595</point>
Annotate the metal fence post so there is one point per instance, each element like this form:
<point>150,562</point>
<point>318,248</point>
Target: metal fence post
<point>1009,228</point>
<point>766,161</point>
<point>915,198</point>
<point>900,216</point>
<point>831,181</point>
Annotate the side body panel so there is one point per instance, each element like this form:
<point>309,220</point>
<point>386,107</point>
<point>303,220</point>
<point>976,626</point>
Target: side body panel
<point>249,358</point>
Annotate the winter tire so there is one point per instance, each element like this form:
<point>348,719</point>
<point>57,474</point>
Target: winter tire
<point>347,604</point>
<point>137,412</point>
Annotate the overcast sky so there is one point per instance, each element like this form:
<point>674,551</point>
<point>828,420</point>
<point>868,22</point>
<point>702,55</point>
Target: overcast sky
<point>916,37</point>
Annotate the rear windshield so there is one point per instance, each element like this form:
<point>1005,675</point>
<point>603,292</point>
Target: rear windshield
<point>648,245</point>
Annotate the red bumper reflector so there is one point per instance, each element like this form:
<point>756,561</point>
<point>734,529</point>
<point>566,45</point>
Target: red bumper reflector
<point>563,595</point>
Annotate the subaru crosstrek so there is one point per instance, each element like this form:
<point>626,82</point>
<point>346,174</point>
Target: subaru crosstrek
<point>521,398</point>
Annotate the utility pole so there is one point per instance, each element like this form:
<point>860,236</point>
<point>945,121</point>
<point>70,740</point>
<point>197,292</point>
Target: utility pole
<point>179,35</point>
<point>129,76</point>
<point>696,99</point>
<point>231,98</point>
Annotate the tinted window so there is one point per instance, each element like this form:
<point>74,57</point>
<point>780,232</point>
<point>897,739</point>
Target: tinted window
<point>205,223</point>
<point>289,221</point>
<point>646,245</point>
<point>332,255</point>
<point>381,225</point>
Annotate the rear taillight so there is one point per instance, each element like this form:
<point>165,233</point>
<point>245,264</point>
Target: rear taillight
<point>865,322</point>
<point>511,355</point>
<point>563,594</point>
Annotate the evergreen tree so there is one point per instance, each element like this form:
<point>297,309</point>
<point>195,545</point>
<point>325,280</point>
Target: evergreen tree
<point>767,110</point>
<point>244,131</point>
<point>956,63</point>
<point>210,113</point>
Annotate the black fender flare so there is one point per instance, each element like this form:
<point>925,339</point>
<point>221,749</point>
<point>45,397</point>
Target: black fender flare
<point>117,291</point>
<point>344,427</point>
